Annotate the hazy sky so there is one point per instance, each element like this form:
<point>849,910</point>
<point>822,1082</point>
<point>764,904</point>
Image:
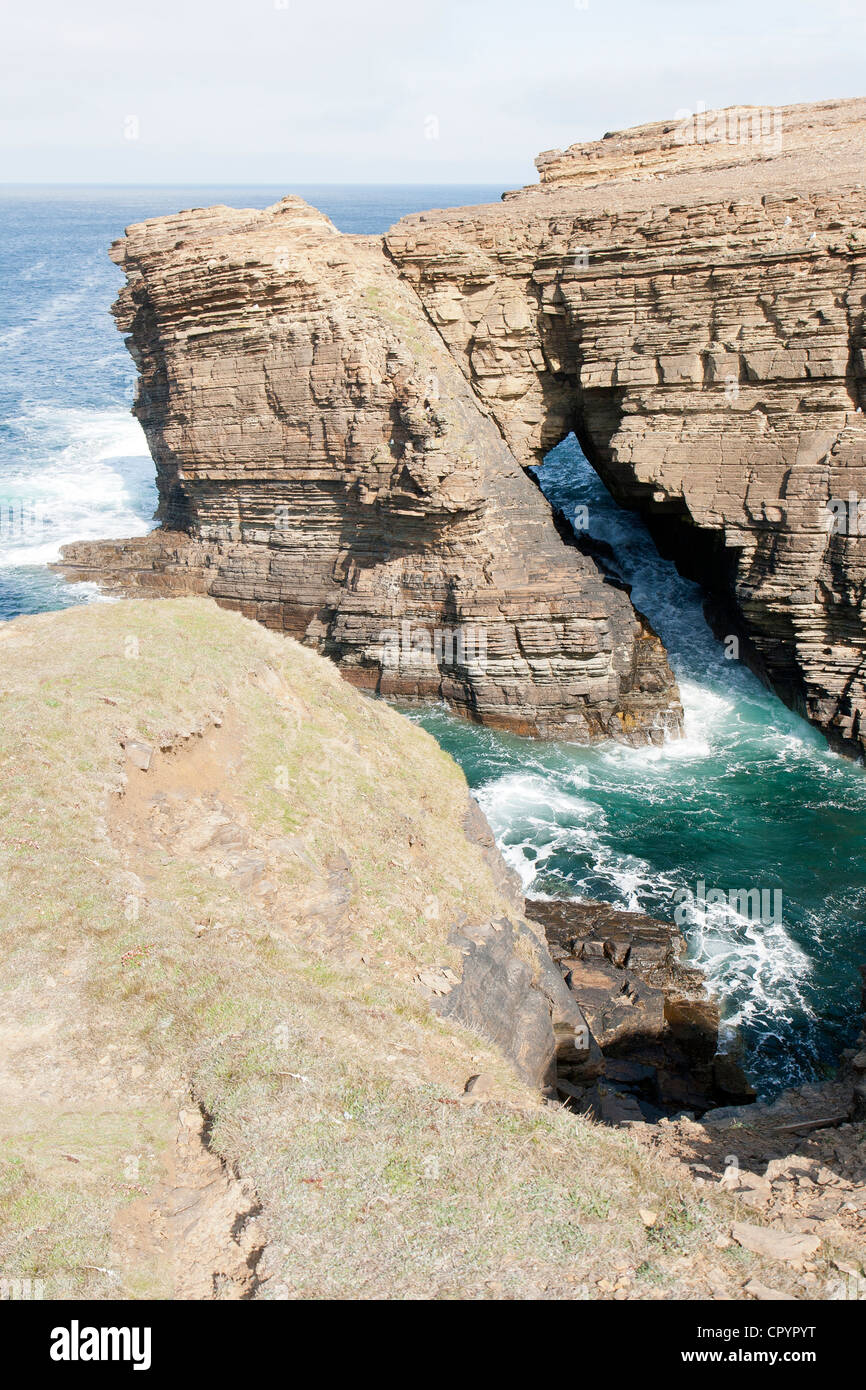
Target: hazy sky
<point>306,91</point>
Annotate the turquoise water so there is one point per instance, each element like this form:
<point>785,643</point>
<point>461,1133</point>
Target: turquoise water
<point>750,799</point>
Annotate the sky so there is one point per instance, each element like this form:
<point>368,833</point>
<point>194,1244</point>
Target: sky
<point>378,91</point>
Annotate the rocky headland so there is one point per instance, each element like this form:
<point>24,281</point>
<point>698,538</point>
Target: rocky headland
<point>341,424</point>
<point>324,466</point>
<point>688,297</point>
<point>343,429</point>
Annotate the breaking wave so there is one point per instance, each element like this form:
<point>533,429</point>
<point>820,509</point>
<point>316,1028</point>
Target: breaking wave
<point>71,474</point>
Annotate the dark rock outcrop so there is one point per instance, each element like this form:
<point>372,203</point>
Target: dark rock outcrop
<point>510,993</point>
<point>649,1012</point>
<point>509,989</point>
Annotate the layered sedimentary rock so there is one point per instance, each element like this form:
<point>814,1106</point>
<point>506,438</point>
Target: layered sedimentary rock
<point>688,297</point>
<point>324,466</point>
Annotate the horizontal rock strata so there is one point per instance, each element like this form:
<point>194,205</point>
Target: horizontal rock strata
<point>689,299</point>
<point>340,423</point>
<point>324,466</point>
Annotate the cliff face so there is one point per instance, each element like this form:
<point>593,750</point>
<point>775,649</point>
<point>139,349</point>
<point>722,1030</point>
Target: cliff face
<point>340,424</point>
<point>693,308</point>
<point>324,466</point>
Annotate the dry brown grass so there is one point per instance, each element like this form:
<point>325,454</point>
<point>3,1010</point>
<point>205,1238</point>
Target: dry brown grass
<point>135,973</point>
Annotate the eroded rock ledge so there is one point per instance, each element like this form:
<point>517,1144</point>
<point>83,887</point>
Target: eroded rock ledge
<point>655,1026</point>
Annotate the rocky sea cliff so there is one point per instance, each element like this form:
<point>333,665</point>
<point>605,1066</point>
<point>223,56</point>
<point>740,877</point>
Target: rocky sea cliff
<point>284,924</point>
<point>340,424</point>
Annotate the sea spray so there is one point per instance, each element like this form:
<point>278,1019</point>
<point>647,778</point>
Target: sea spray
<point>749,801</point>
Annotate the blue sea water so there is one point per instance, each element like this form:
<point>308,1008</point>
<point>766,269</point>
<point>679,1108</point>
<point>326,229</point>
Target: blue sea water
<point>750,799</point>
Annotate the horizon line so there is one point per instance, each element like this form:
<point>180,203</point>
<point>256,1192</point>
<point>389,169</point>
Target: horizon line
<point>229,183</point>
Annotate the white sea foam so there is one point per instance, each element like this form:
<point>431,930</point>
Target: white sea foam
<point>755,967</point>
<point>75,475</point>
<point>704,715</point>
<point>530,793</point>
<point>531,818</point>
<point>536,821</point>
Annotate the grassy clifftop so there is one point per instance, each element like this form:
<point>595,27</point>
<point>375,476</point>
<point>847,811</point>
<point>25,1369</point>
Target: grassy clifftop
<point>228,885</point>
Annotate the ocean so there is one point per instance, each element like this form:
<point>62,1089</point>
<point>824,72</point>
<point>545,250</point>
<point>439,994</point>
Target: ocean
<point>750,802</point>
<point>74,464</point>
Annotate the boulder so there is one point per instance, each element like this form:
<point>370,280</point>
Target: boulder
<point>785,1246</point>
